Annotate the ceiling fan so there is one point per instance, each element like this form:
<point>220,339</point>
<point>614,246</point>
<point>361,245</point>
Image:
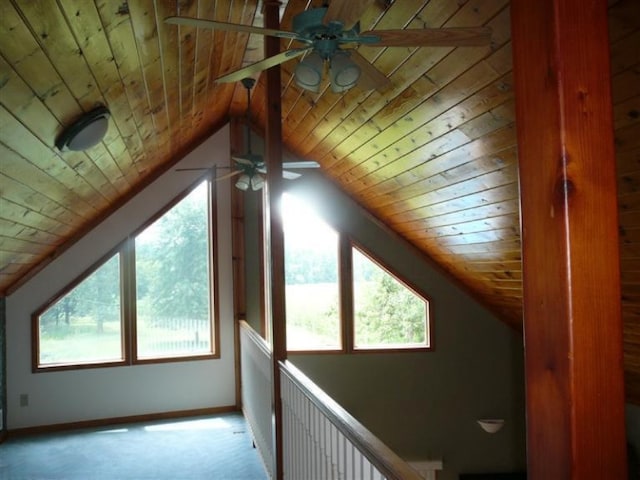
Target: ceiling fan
<point>329,36</point>
<point>250,166</point>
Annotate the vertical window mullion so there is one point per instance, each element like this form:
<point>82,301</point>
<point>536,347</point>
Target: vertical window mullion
<point>345,279</point>
<point>129,300</point>
<point>214,323</point>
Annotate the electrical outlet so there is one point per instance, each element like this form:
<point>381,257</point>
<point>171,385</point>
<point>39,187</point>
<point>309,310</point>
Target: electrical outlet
<point>24,400</point>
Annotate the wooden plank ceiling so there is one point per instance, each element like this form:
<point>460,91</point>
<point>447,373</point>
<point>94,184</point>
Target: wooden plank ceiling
<point>434,155</point>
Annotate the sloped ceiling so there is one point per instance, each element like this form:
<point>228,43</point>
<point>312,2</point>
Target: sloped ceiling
<point>434,155</point>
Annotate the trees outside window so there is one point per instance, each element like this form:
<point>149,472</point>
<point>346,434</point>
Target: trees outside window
<point>173,281</point>
<point>150,300</point>
<point>386,313</point>
<point>85,325</point>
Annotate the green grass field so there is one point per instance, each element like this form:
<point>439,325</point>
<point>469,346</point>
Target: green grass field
<point>81,342</point>
<point>312,315</point>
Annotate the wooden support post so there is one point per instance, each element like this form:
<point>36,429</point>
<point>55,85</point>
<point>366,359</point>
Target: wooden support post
<point>273,151</point>
<point>237,254</point>
<point>572,315</point>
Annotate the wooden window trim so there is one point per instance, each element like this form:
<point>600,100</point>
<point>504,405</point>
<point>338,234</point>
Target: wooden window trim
<point>126,252</point>
<point>407,284</point>
<point>35,318</point>
<point>345,286</point>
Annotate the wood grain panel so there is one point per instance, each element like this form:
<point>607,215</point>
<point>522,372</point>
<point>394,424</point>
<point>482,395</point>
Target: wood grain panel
<point>119,32</point>
<point>148,50</point>
<point>15,137</point>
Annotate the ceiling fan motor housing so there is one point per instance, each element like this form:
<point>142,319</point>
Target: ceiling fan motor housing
<point>325,38</point>
<point>309,22</point>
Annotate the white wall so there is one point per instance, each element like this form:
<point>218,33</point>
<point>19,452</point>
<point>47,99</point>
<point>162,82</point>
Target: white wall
<point>70,396</point>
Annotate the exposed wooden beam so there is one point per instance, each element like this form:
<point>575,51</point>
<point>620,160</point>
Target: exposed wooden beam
<point>273,151</point>
<point>238,257</point>
<point>572,320</point>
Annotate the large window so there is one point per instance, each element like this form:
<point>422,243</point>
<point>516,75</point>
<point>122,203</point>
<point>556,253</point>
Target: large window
<point>173,283</point>
<point>85,325</point>
<point>311,279</point>
<point>150,300</point>
<point>387,314</point>
<point>341,298</point>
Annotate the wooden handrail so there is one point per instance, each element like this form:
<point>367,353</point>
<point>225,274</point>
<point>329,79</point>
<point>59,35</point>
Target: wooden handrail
<point>377,453</point>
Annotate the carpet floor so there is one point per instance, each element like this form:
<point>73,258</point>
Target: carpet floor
<point>214,447</point>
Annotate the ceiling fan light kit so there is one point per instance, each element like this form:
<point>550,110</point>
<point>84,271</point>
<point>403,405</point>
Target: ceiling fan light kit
<point>343,72</point>
<point>254,180</point>
<point>243,182</point>
<point>308,73</point>
<point>86,131</point>
<point>257,182</point>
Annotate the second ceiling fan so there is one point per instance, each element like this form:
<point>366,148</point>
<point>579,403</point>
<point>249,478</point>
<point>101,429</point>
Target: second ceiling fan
<point>252,167</point>
<point>329,36</point>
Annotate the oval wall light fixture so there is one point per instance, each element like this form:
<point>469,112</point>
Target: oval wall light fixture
<point>491,425</point>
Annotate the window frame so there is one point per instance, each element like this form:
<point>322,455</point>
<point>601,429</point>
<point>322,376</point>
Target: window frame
<point>346,302</point>
<point>128,311</point>
<point>341,339</point>
<point>35,318</point>
<point>409,286</point>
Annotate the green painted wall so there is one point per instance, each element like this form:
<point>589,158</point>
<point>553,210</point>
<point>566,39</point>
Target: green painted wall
<point>3,363</point>
<point>252,225</point>
<point>422,405</point>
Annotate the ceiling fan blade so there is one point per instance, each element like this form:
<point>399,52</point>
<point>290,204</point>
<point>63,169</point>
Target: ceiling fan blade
<point>290,175</point>
<point>229,27</point>
<point>301,164</point>
<point>228,175</point>
<point>242,160</point>
<point>346,11</point>
<point>195,169</point>
<point>256,67</point>
<point>431,37</point>
<point>370,77</point>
